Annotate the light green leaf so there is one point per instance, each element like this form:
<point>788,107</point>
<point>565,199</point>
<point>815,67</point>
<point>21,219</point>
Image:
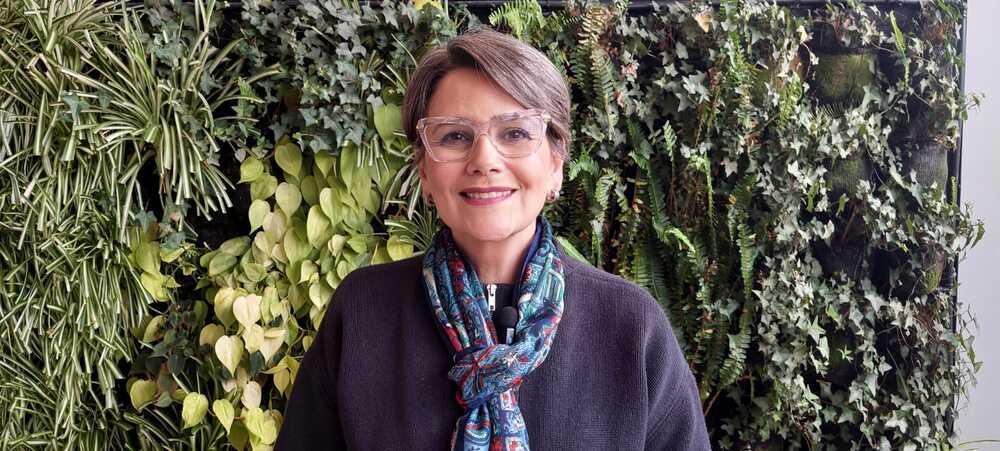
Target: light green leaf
<point>235,246</point>
<point>289,158</point>
<point>220,264</point>
<point>317,227</point>
<point>258,212</point>
<point>324,161</point>
<point>246,309</point>
<point>310,190</point>
<point>229,350</point>
<point>388,120</point>
<point>261,425</point>
<point>263,187</point>
<point>225,412</point>
<point>153,329</point>
<point>336,244</point>
<point>251,396</point>
<point>251,169</point>
<point>147,255</point>
<point>398,249</point>
<point>289,198</point>
<point>296,246</point>
<point>195,407</point>
<point>348,164</point>
<point>210,334</point>
<point>141,393</point>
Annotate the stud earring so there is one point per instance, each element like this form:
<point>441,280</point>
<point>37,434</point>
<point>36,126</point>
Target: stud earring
<point>552,196</point>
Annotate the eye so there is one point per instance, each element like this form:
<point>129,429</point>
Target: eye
<point>516,134</point>
<point>453,138</point>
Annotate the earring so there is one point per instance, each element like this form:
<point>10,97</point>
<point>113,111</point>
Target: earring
<point>552,196</point>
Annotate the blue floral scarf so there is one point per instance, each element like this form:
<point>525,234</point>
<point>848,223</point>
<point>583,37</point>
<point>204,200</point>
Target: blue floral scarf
<point>488,374</point>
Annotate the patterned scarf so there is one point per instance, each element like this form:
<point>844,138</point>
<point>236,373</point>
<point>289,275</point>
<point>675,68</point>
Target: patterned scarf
<point>488,374</point>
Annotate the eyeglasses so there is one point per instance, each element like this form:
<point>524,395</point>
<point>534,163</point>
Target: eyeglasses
<point>514,135</point>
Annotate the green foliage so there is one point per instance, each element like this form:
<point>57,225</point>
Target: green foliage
<point>705,168</point>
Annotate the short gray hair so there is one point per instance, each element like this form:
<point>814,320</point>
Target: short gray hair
<point>522,71</point>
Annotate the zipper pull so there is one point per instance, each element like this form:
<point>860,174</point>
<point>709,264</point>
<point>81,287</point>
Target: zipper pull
<point>491,296</point>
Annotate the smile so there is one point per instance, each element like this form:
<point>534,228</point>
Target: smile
<point>487,198</point>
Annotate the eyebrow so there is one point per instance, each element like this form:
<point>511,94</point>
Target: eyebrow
<point>507,115</point>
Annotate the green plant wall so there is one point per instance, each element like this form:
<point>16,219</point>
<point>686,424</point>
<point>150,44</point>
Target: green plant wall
<point>776,177</point>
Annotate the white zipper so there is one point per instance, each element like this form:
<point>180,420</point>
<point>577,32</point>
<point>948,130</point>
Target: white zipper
<point>491,296</point>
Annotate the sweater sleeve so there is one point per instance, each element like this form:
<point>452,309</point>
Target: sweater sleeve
<point>675,420</point>
<point>311,417</point>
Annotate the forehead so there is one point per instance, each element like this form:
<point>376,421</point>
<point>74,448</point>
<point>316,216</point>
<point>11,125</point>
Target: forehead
<point>470,94</point>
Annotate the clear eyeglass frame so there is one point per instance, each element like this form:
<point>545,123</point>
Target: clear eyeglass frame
<point>480,129</point>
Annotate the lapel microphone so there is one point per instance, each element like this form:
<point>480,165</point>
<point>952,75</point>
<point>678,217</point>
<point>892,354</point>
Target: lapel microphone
<point>507,321</point>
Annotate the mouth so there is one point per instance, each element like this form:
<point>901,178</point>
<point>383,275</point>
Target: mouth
<point>476,197</point>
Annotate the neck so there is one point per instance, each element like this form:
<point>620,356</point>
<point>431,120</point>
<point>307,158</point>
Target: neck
<point>497,261</point>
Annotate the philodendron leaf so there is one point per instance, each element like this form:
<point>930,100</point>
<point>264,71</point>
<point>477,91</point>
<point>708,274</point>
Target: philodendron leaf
<point>296,246</point>
<point>328,203</point>
<point>263,187</point>
<point>141,393</point>
<point>289,158</point>
<point>398,249</point>
<point>223,303</point>
<point>289,198</point>
<point>210,334</point>
<point>258,212</point>
<point>147,257</point>
<point>235,246</point>
<point>318,228</point>
<point>220,264</point>
<point>246,309</point>
<point>195,407</point>
<point>387,121</point>
<point>348,164</point>
<point>251,395</point>
<point>225,412</point>
<point>229,350</point>
<point>253,337</point>
<point>273,339</point>
<point>153,331</point>
<point>324,161</point>
<point>250,170</point>
<point>260,425</point>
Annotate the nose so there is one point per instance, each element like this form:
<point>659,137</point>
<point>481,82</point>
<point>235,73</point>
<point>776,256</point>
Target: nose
<point>485,158</point>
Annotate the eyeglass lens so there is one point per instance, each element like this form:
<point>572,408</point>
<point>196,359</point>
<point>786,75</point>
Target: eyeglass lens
<point>513,137</point>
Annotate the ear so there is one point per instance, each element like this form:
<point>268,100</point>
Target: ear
<point>557,171</point>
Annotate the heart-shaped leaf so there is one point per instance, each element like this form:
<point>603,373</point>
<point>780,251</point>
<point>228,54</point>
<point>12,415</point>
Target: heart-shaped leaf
<point>209,334</point>
<point>229,350</point>
<point>141,393</point>
<point>251,395</point>
<point>289,158</point>
<point>250,170</point>
<point>246,309</point>
<point>388,120</point>
<point>318,228</point>
<point>225,412</point>
<point>195,407</point>
<point>258,212</point>
<point>289,198</point>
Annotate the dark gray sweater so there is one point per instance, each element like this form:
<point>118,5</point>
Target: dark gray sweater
<point>376,376</point>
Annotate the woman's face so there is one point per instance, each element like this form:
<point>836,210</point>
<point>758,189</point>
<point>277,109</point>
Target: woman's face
<point>468,94</point>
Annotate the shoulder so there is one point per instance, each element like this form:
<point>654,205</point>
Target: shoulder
<point>611,296</point>
<point>381,274</point>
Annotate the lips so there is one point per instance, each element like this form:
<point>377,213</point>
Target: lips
<point>487,196</point>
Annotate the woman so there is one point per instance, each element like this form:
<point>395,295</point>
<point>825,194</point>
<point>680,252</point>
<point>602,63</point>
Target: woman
<point>408,357</point>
